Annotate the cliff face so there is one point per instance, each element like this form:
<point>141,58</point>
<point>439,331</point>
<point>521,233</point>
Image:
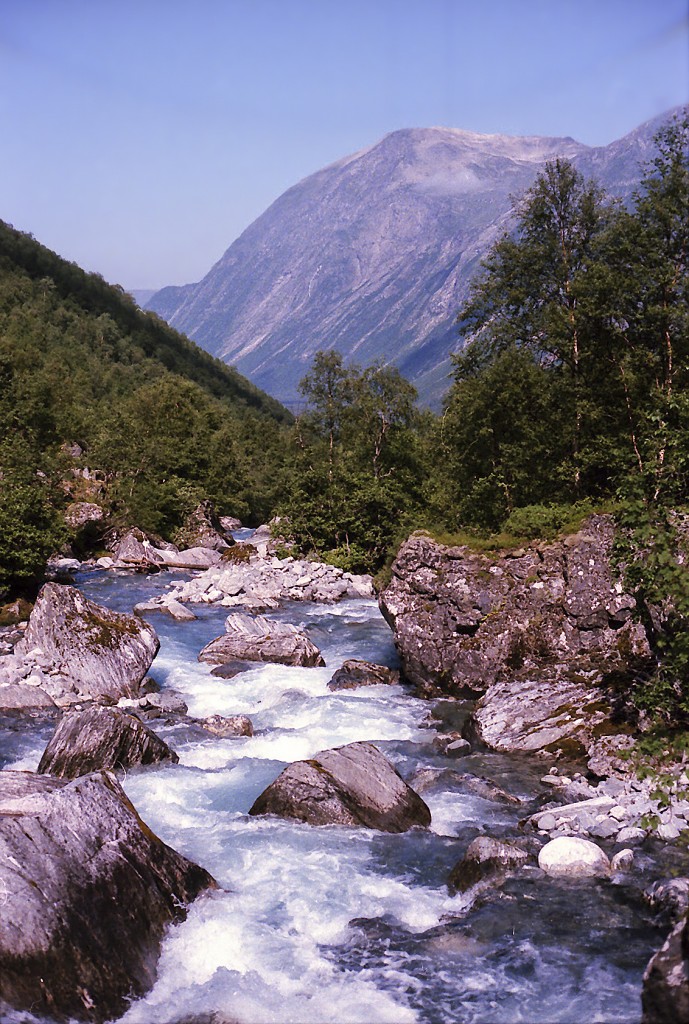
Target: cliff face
<point>373,255</point>
<point>540,634</point>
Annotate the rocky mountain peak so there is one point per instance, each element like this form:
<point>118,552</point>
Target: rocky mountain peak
<point>374,254</point>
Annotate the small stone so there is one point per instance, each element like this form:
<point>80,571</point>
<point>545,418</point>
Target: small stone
<point>485,858</point>
<point>547,822</point>
<point>606,828</point>
<point>612,787</point>
<point>631,834</point>
<point>622,861</point>
<point>458,748</point>
<point>178,612</point>
<point>618,813</point>
<point>668,830</point>
<point>168,702</point>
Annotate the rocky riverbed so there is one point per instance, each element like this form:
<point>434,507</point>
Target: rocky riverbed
<point>229,761</point>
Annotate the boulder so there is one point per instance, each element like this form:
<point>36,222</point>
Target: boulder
<point>203,529</point>
<point>88,651</point>
<point>230,725</point>
<point>230,523</point>
<point>21,696</point>
<point>80,513</point>
<point>256,638</point>
<point>14,612</point>
<point>485,859</point>
<point>86,741</point>
<point>88,891</point>
<point>135,548</point>
<point>351,785</point>
<point>167,702</point>
<point>231,669</point>
<point>572,857</point>
<point>191,558</point>
<point>670,895</point>
<point>355,673</point>
<point>665,992</point>
<point>536,633</point>
<point>430,778</point>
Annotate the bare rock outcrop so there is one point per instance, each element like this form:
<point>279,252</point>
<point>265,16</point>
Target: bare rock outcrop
<point>81,650</point>
<point>203,528</point>
<point>88,891</point>
<point>536,633</point>
<point>350,785</point>
<point>100,737</point>
<point>256,638</point>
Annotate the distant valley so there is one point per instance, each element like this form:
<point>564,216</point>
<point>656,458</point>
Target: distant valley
<point>374,254</point>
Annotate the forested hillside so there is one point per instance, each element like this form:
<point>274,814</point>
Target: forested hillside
<point>90,382</point>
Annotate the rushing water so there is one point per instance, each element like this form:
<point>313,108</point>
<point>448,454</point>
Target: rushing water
<point>336,924</point>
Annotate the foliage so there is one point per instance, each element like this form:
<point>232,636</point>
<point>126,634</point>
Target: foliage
<point>354,475</point>
<point>30,528</point>
<point>573,387</point>
<point>161,423</point>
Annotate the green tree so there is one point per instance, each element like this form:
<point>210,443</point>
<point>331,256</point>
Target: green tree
<point>353,476</point>
<point>528,295</point>
<point>31,528</point>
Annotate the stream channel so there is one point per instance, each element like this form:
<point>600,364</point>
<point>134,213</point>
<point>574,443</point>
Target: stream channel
<point>335,924</point>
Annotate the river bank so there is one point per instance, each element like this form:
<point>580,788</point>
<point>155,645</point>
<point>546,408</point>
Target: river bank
<point>308,919</point>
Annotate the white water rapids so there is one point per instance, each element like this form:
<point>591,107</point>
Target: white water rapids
<point>344,925</point>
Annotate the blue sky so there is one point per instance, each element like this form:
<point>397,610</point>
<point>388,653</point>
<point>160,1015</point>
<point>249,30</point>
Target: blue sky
<point>142,136</point>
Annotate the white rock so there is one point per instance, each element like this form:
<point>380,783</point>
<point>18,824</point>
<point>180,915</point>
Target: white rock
<point>668,830</point>
<point>572,857</point>
<point>631,834</point>
<point>622,861</point>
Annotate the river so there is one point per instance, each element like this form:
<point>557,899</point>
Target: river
<point>341,925</point>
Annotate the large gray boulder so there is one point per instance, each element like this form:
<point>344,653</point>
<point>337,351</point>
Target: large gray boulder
<point>256,638</point>
<point>85,650</point>
<point>535,633</point>
<point>665,993</point>
<point>88,891</point>
<point>100,737</point>
<point>350,785</point>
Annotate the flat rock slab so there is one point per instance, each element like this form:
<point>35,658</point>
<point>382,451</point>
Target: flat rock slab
<point>350,785</point>
<point>87,649</point>
<point>256,638</point>
<point>88,891</point>
<point>86,741</point>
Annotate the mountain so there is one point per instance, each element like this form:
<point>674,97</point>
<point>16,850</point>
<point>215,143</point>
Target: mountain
<point>374,254</point>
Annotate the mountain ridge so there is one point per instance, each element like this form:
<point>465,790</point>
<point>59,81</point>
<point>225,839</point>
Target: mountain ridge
<point>373,254</point>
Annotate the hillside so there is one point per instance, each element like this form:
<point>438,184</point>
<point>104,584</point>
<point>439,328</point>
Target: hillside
<point>374,254</point>
<point>104,403</point>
